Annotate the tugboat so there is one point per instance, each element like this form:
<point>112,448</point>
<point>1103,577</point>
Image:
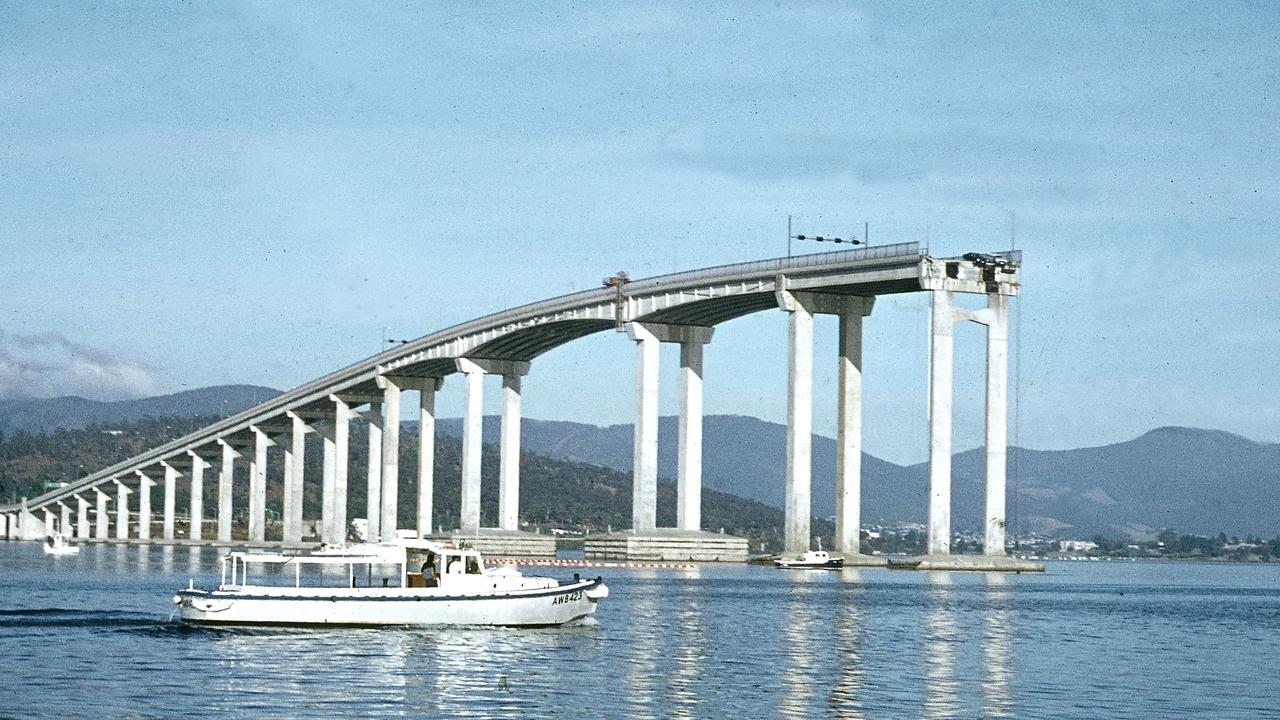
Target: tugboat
<point>57,544</point>
<point>407,582</point>
<point>811,560</point>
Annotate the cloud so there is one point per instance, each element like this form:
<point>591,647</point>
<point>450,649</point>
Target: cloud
<point>50,365</point>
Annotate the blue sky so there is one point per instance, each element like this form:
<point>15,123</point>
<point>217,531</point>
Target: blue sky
<point>252,192</point>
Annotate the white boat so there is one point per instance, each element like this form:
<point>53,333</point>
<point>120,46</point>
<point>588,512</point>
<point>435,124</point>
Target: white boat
<point>408,582</point>
<point>57,544</point>
<point>811,560</point>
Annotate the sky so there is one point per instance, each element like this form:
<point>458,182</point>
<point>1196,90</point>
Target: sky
<point>263,192</point>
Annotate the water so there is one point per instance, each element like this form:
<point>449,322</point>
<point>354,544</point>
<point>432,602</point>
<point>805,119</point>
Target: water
<point>91,636</point>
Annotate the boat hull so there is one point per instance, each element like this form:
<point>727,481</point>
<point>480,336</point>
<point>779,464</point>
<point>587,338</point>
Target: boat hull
<point>391,606</point>
<point>833,564</point>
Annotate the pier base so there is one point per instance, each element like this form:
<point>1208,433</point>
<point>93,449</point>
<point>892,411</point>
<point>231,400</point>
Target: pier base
<point>975,563</point>
<point>494,542</point>
<point>666,544</point>
<point>860,560</point>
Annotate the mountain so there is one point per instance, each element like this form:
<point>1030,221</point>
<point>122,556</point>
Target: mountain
<point>1191,480</point>
<point>72,413</point>
<point>1197,481</point>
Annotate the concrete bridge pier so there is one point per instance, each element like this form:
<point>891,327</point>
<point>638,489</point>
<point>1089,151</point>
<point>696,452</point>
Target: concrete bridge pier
<point>258,485</point>
<point>686,541</point>
<point>195,528</point>
<point>294,476</point>
<point>170,498</point>
<point>101,527</point>
<point>122,510</point>
<point>48,518</point>
<point>336,436</point>
<point>426,452</point>
<point>144,505</point>
<point>373,472</point>
<point>389,498</point>
<point>64,519</point>
<point>82,518</point>
<point>226,475</point>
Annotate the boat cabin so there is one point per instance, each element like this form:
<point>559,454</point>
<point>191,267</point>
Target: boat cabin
<point>404,564</point>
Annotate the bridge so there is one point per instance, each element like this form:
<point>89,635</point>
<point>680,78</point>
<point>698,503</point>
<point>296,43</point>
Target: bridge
<point>682,308</point>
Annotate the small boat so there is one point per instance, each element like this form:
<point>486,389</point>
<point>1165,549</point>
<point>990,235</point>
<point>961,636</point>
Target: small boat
<point>57,544</point>
<point>810,560</point>
<point>406,582</point>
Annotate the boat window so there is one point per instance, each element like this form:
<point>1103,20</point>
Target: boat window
<point>473,566</point>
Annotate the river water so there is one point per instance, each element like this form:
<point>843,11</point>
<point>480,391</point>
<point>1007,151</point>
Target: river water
<point>92,636</point>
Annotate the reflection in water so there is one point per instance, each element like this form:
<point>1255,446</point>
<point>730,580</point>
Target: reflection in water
<point>799,627</point>
<point>193,560</point>
<point>646,625</point>
<point>941,637</point>
<point>691,646</point>
<point>122,551</point>
<point>166,559</point>
<point>844,698</point>
<point>144,557</point>
<point>996,700</point>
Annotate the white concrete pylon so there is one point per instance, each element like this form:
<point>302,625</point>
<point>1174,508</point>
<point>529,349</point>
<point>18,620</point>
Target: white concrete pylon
<point>849,427</point>
<point>373,487</point>
<point>145,484</point>
<point>48,521</point>
<point>472,420</point>
<point>64,519</point>
<point>122,510</point>
<point>341,455</point>
<point>295,466</point>
<point>226,475</point>
<point>427,453</point>
<point>390,496</point>
<point>644,473</point>
<point>195,526</point>
<point>997,404</point>
<point>170,501</point>
<point>82,518</point>
<point>798,508</point>
<point>258,486</point>
<point>941,344</point>
<point>102,526</point>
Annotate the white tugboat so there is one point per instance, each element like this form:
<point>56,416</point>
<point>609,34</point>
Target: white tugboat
<point>409,582</point>
<point>811,560</point>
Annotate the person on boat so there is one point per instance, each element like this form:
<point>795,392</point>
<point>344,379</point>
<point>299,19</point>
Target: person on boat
<point>429,572</point>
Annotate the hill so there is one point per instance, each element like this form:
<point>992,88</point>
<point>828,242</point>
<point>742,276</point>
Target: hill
<point>71,413</point>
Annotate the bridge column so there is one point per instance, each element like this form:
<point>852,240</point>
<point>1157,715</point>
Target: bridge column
<point>390,500</point>
<point>195,525</point>
<point>849,427</point>
<point>226,475</point>
<point>941,343</point>
<point>144,505</point>
<point>799,421</point>
<point>333,521</point>
<point>64,519</point>
<point>374,472</point>
<point>295,463</point>
<point>82,518</point>
<point>427,453</point>
<point>101,530</point>
<point>170,499</point>
<point>996,421</point>
<point>258,486</point>
<point>472,419</point>
<point>48,521</point>
<point>122,510</point>
<point>644,474</point>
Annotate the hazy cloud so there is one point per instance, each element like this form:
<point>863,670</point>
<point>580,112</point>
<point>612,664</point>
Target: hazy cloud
<point>49,365</point>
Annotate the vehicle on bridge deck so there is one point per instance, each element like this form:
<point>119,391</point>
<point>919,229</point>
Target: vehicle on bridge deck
<point>810,560</point>
<point>57,544</point>
<point>406,582</point>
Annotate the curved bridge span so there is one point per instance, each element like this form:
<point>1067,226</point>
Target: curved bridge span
<point>679,308</point>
